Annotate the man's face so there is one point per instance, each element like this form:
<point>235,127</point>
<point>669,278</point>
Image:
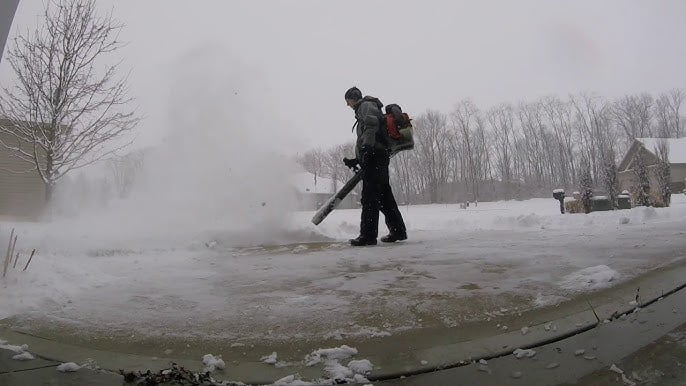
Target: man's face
<point>350,103</point>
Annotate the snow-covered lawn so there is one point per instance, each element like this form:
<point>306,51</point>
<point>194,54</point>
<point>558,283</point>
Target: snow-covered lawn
<point>288,279</point>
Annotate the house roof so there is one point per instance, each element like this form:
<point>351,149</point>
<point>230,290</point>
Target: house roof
<point>307,183</point>
<point>677,148</point>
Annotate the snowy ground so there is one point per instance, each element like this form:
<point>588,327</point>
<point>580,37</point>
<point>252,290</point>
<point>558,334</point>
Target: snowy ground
<point>458,266</point>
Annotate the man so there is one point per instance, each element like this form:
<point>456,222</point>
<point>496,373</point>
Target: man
<point>372,154</point>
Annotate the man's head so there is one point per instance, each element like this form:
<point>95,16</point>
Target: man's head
<point>352,96</point>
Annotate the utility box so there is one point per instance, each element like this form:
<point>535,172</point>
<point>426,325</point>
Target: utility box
<point>600,203</point>
<point>623,201</point>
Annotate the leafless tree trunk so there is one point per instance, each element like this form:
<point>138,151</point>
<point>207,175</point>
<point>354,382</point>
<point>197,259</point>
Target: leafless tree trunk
<point>67,108</point>
<point>465,119</point>
<point>667,111</point>
<point>124,171</point>
<point>501,119</point>
<point>633,115</point>
<point>313,162</point>
<point>432,149</point>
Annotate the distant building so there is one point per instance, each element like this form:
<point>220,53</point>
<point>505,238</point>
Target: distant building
<point>648,146</point>
<point>313,191</point>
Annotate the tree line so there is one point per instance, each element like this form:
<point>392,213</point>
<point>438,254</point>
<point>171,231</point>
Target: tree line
<point>517,151</point>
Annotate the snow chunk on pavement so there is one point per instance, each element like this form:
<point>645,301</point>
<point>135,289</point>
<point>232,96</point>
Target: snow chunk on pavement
<point>291,381</point>
<point>22,351</point>
<point>25,356</point>
<point>363,366</point>
<point>340,353</point>
<point>270,359</point>
<point>212,363</point>
<point>519,353</point>
<point>616,369</point>
<point>590,278</point>
<point>337,371</point>
<point>68,367</point>
<point>11,347</point>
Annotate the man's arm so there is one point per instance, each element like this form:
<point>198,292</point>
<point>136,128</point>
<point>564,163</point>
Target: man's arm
<point>369,115</point>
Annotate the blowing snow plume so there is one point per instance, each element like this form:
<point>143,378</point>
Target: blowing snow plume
<point>219,172</point>
<point>221,166</point>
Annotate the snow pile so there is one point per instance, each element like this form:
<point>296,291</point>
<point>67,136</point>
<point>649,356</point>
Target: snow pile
<point>529,220</point>
<point>212,363</point>
<point>591,278</point>
<point>363,366</point>
<point>68,367</point>
<point>338,353</point>
<point>22,353</point>
<point>292,380</point>
<point>334,371</point>
<point>18,349</point>
<point>647,213</point>
<point>25,356</point>
<point>269,359</point>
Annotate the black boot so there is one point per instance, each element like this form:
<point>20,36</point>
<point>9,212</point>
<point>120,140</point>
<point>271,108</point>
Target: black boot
<point>362,241</point>
<point>391,237</point>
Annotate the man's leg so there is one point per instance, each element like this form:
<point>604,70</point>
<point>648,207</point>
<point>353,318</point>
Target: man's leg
<point>369,222</point>
<point>388,205</point>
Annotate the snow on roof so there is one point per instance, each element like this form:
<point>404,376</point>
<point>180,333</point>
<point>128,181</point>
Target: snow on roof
<point>677,148</point>
<point>305,183</point>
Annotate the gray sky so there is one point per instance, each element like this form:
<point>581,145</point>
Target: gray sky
<point>300,56</point>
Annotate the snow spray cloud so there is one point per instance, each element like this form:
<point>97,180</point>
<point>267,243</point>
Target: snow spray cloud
<point>221,171</point>
<point>221,166</point>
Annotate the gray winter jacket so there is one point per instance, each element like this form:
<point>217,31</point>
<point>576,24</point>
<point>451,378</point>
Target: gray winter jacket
<point>371,133</point>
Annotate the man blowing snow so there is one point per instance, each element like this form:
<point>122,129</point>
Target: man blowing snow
<point>372,151</point>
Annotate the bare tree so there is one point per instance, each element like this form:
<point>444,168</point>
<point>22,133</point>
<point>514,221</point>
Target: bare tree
<point>465,118</point>
<point>67,108</point>
<point>501,120</point>
<point>633,115</point>
<point>313,161</point>
<point>124,171</point>
<point>559,117</point>
<point>334,167</point>
<point>667,112</point>
<point>432,149</point>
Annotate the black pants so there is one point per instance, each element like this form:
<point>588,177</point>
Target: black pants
<point>378,196</point>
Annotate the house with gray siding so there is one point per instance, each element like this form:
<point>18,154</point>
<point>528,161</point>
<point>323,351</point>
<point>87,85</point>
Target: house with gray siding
<point>22,191</point>
<point>648,148</point>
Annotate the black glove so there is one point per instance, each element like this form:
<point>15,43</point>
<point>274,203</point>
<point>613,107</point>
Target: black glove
<point>351,163</point>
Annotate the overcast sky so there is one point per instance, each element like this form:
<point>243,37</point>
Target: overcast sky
<point>301,56</point>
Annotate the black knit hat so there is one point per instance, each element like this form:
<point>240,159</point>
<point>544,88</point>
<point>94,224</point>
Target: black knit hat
<point>353,93</point>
